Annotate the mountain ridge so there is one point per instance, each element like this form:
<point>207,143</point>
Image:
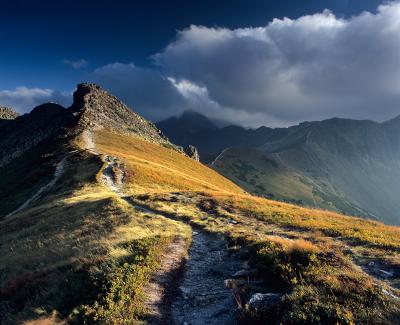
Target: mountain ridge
<point>318,154</point>
<point>104,225</point>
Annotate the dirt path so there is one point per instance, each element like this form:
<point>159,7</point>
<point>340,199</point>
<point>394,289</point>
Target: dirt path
<point>161,289</point>
<point>202,297</point>
<point>57,174</point>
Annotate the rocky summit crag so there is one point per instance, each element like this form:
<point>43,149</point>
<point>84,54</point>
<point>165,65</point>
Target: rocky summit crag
<point>192,152</point>
<point>101,226</point>
<point>96,108</point>
<point>92,108</point>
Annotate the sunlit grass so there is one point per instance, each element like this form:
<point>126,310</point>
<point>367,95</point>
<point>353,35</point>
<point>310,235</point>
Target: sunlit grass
<point>154,168</point>
<point>94,238</point>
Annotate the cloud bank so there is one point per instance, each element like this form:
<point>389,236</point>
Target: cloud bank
<point>24,99</point>
<point>314,67</point>
<point>291,70</point>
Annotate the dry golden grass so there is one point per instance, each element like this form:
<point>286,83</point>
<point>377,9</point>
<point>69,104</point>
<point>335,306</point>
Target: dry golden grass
<point>329,223</point>
<point>154,168</point>
<point>77,227</point>
<point>316,267</point>
<point>84,226</point>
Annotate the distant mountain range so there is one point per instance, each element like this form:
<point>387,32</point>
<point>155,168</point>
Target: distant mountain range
<point>97,205</point>
<point>343,165</point>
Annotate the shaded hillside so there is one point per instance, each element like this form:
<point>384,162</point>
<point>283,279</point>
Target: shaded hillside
<point>24,132</point>
<point>343,165</point>
<point>194,128</point>
<point>122,228</point>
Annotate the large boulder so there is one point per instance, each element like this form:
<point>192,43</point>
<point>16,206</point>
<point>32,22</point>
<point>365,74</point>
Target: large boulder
<point>263,302</point>
<point>192,152</point>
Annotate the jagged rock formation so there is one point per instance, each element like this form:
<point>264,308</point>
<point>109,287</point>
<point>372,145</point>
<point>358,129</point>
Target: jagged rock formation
<point>192,152</point>
<point>96,108</point>
<point>19,135</point>
<point>7,113</point>
<point>92,108</point>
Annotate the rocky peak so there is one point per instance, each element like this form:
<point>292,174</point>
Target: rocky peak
<point>96,108</point>
<point>7,113</point>
<point>192,152</point>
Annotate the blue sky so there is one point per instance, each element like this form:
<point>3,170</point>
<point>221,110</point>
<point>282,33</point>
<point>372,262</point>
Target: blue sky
<point>49,46</point>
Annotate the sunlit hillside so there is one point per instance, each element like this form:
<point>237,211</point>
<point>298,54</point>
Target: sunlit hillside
<point>316,255</point>
<point>152,167</point>
<point>129,229</point>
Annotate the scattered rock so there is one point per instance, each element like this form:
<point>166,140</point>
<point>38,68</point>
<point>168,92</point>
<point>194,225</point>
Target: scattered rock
<point>210,301</point>
<point>7,113</point>
<point>385,274</point>
<point>388,293</point>
<point>192,152</point>
<point>234,284</point>
<point>244,273</point>
<point>263,301</point>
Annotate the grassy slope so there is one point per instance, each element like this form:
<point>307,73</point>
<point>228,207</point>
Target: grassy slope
<point>345,166</point>
<point>83,251</point>
<point>153,168</point>
<point>268,176</point>
<point>78,249</point>
<point>315,266</point>
<point>265,176</point>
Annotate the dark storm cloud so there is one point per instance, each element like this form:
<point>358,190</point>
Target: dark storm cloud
<point>310,68</point>
<point>314,67</point>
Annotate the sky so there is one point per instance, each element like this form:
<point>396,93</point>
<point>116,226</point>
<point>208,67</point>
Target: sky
<point>253,62</point>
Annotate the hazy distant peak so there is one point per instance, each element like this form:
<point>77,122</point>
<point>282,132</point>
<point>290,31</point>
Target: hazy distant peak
<point>196,120</point>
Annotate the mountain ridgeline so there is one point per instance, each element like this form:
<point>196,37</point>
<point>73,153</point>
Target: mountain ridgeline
<point>103,220</point>
<point>343,165</point>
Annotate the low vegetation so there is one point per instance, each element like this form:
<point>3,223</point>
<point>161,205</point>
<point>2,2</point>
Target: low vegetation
<point>89,253</point>
<point>81,253</point>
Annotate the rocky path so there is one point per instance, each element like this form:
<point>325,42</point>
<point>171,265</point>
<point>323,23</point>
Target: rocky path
<point>202,297</point>
<point>161,290</point>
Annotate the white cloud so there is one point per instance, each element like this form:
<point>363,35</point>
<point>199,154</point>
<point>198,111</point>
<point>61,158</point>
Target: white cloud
<point>24,99</point>
<point>76,64</point>
<point>314,67</point>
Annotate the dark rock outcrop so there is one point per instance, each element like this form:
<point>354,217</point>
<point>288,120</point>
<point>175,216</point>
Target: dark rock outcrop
<point>96,108</point>
<point>92,108</point>
<point>263,302</point>
<point>192,152</point>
